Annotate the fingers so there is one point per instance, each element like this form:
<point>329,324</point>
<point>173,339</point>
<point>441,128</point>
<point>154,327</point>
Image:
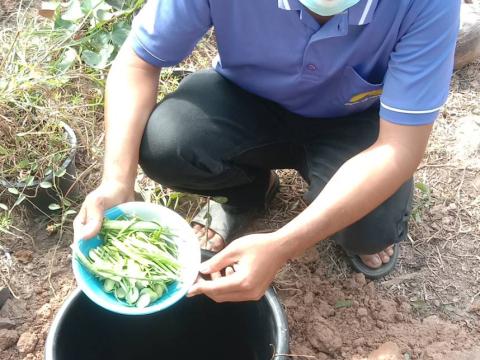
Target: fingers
<point>79,222</point>
<point>199,280</point>
<point>226,272</point>
<point>236,296</point>
<point>220,261</point>
<point>232,287</point>
<point>88,222</point>
<point>218,287</point>
<point>216,275</point>
<point>229,270</point>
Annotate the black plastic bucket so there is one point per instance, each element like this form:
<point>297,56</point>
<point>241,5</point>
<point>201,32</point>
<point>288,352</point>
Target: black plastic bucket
<point>194,328</point>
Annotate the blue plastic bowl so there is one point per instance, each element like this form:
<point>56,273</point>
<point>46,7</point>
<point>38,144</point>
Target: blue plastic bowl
<point>188,255</point>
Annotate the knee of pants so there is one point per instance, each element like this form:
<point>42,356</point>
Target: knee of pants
<point>384,226</point>
<point>177,149</point>
<point>166,143</point>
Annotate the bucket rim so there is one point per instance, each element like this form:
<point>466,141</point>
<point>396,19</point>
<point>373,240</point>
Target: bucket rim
<point>281,323</point>
<point>271,297</point>
<point>52,332</point>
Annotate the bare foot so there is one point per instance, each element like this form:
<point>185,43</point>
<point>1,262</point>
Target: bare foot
<point>376,260</point>
<point>211,241</point>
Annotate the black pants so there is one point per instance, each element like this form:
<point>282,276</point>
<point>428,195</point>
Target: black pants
<point>210,137</point>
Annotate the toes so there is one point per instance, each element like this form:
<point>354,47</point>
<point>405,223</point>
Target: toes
<point>203,242</point>
<point>372,261</point>
<point>211,241</point>
<point>200,232</point>
<point>215,242</point>
<point>384,256</point>
<point>376,260</point>
<point>389,251</point>
<point>197,229</point>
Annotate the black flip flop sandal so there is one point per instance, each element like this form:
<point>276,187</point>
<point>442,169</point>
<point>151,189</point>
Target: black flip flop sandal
<point>230,223</point>
<point>379,273</point>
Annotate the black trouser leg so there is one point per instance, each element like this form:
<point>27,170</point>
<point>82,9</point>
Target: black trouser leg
<point>345,138</point>
<point>212,138</point>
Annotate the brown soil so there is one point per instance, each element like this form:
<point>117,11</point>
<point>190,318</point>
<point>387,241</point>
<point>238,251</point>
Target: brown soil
<point>347,319</point>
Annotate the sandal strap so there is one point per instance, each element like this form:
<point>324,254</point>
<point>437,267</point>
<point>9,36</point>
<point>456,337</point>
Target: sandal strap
<point>227,221</point>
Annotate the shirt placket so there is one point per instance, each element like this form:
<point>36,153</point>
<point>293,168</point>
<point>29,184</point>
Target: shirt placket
<point>313,66</point>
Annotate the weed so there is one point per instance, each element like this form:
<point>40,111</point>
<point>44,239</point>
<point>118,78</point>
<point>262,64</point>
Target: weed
<point>94,30</point>
<point>5,221</point>
<point>422,201</point>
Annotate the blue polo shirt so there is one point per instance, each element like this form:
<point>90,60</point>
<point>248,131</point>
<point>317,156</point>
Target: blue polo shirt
<point>398,53</point>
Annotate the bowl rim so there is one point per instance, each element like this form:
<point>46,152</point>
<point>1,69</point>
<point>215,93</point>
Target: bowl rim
<point>118,307</point>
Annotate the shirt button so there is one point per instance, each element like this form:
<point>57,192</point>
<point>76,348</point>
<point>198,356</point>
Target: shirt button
<point>311,67</point>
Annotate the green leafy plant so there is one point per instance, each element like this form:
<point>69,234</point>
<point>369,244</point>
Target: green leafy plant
<point>94,30</point>
<point>422,201</point>
<point>5,219</point>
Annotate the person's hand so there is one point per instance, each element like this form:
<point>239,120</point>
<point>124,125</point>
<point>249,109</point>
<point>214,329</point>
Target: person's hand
<point>249,263</point>
<point>88,222</point>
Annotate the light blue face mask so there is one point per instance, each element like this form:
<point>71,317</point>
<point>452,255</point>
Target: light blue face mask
<point>328,7</point>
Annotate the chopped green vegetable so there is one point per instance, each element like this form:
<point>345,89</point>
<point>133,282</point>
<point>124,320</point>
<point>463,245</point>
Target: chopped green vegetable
<point>120,293</point>
<point>136,262</point>
<point>108,285</point>
<point>147,296</point>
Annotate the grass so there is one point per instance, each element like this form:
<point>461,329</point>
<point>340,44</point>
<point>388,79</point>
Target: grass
<point>33,92</point>
<point>37,91</point>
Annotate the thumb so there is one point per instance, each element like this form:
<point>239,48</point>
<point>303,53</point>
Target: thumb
<point>220,261</point>
<point>91,228</point>
<point>91,224</point>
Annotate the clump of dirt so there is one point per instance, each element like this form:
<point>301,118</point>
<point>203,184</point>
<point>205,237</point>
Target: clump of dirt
<point>348,319</point>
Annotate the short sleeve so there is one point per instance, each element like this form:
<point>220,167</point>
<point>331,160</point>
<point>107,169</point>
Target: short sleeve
<point>417,81</point>
<point>165,31</point>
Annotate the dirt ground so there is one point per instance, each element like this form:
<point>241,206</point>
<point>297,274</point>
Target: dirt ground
<point>429,307</point>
